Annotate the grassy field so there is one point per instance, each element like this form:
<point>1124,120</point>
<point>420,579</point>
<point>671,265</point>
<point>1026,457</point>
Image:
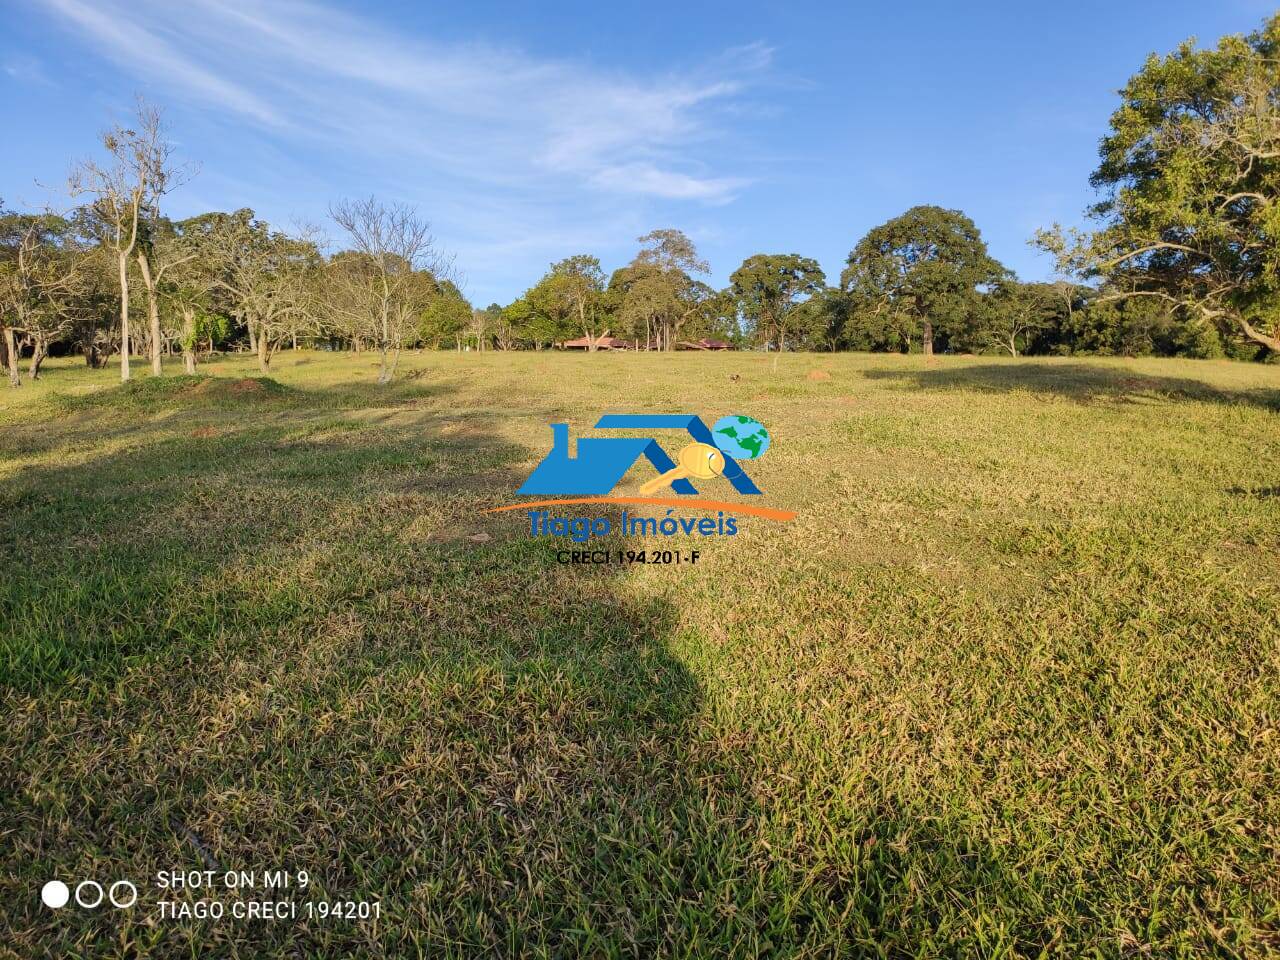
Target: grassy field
<point>1009,685</point>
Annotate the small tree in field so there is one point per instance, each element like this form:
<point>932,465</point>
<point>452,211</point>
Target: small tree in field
<point>395,272</point>
<point>447,316</point>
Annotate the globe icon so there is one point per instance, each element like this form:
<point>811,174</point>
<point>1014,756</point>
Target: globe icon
<point>741,437</point>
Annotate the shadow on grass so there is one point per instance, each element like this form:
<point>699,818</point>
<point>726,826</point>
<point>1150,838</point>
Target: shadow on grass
<point>152,394</point>
<point>1261,493</point>
<point>128,410</point>
<point>1082,382</point>
<point>274,649</point>
<point>266,651</point>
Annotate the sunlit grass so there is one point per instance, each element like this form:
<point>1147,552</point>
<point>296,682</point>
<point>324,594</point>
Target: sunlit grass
<point>1008,685</point>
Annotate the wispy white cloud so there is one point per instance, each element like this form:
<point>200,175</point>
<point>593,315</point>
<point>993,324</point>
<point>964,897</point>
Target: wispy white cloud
<point>474,110</point>
<point>121,37</point>
<point>517,159</point>
<point>646,178</point>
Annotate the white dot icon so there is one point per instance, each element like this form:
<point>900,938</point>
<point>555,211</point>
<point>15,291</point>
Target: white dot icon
<point>55,894</point>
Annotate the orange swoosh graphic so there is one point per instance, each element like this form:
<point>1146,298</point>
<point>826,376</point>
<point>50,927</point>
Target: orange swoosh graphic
<point>766,512</point>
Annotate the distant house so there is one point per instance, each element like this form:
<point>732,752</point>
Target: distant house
<point>602,343</point>
<point>598,466</point>
<point>704,344</point>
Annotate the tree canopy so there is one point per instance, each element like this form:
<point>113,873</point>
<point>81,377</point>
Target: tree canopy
<point>922,270</point>
<point>1191,175</point>
<point>768,286</point>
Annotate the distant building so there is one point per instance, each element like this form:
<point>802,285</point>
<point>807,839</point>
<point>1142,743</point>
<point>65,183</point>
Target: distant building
<point>705,343</point>
<point>602,343</point>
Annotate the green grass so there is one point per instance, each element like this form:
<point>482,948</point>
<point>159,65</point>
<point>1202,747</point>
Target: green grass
<point>1008,686</point>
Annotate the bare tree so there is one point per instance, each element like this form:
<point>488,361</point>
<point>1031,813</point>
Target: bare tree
<point>394,272</point>
<point>124,193</point>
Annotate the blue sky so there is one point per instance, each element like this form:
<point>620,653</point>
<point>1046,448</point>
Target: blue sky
<point>529,132</point>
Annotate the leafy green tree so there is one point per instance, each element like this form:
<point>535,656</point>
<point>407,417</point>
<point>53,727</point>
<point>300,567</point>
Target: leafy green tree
<point>1191,176</point>
<point>446,316</point>
<point>40,260</point>
<point>571,295</point>
<point>1016,313</point>
<point>1135,327</point>
<point>656,297</point>
<point>768,286</point>
<point>821,322</point>
<point>528,325</point>
<point>921,272</point>
<point>551,318</point>
<point>707,312</point>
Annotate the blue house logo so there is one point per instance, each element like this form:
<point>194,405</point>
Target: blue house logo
<point>599,463</point>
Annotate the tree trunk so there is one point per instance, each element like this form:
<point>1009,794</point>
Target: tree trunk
<point>253,337</point>
<point>11,358</point>
<point>153,314</point>
<point>927,339</point>
<point>124,316</point>
<point>39,350</point>
<point>189,341</point>
<point>264,354</point>
<point>383,370</point>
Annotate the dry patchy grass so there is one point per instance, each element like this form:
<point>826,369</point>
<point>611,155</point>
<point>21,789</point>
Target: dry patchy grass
<point>1009,685</point>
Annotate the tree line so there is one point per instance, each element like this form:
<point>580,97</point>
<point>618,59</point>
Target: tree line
<point>1182,259</point>
<point>116,277</point>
